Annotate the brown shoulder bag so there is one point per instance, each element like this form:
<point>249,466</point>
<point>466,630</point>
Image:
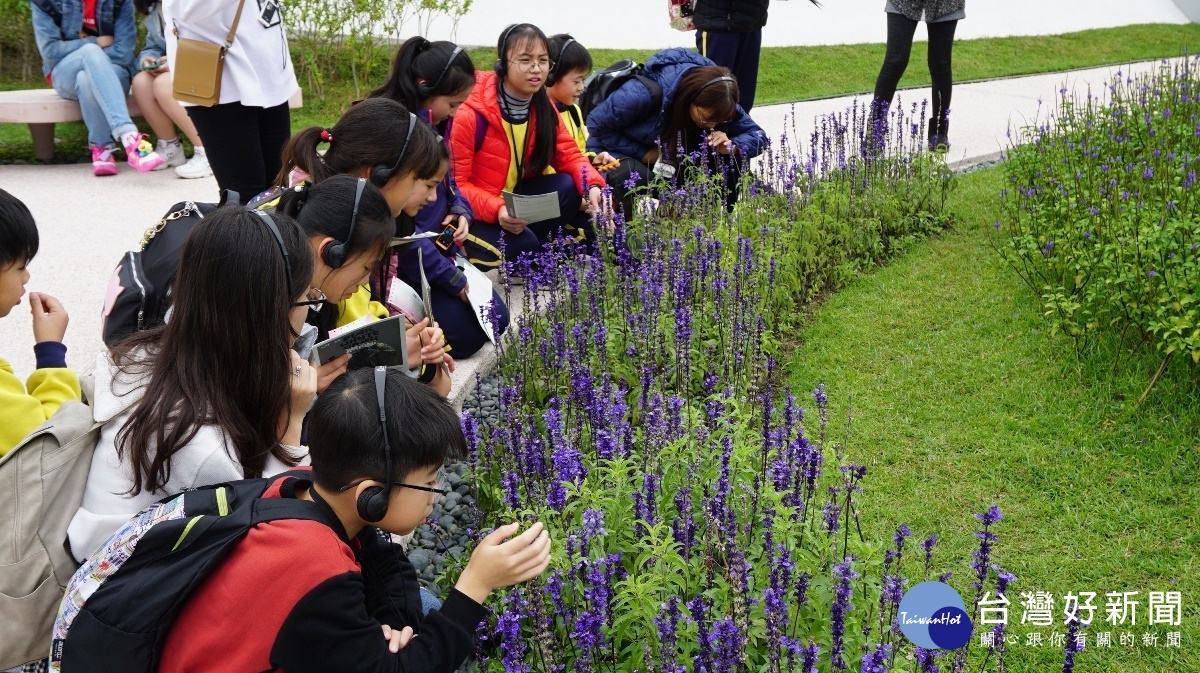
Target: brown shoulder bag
<point>199,66</point>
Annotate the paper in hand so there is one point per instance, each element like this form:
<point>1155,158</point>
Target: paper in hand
<point>403,240</point>
<point>532,208</point>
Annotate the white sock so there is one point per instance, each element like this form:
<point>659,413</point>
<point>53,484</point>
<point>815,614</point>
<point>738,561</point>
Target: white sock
<point>128,139</point>
<point>199,151</point>
<point>175,142</point>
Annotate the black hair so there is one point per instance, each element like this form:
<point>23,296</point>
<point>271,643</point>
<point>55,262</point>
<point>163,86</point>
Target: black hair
<point>224,357</point>
<point>18,232</point>
<point>406,224</point>
<point>542,108</point>
<point>345,440</point>
<point>369,134</point>
<point>420,59</point>
<point>708,86</point>
<point>568,56</point>
<point>325,209</point>
<point>144,7</point>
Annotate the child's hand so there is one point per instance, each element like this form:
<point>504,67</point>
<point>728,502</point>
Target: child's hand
<point>397,640</point>
<point>462,226</point>
<point>303,380</point>
<point>103,41</point>
<point>49,318</point>
<point>328,372</point>
<point>497,563</point>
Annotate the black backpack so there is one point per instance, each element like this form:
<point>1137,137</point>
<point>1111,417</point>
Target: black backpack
<point>120,605</point>
<point>140,289</point>
<point>602,84</point>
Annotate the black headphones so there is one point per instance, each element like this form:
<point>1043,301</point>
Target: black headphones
<point>380,174</point>
<point>426,90</point>
<point>334,254</point>
<point>552,76</point>
<point>287,263</point>
<point>372,503</point>
<point>502,61</point>
<point>715,80</point>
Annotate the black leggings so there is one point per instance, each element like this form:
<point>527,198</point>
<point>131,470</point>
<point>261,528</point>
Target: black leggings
<point>895,61</point>
<point>244,144</point>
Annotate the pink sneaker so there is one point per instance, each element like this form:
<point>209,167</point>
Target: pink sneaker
<point>141,155</point>
<point>102,160</point>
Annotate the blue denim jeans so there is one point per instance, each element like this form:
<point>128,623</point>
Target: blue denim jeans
<point>86,75</point>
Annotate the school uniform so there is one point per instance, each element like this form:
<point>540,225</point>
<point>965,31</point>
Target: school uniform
<point>730,33</point>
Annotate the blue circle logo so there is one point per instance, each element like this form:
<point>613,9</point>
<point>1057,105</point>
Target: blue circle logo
<point>932,615</point>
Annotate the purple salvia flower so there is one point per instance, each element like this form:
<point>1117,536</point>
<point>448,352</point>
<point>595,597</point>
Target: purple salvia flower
<point>843,590</point>
<point>877,661</point>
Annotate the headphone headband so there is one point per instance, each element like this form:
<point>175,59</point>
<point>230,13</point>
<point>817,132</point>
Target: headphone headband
<point>334,255</point>
<point>287,263</point>
<point>446,68</point>
<point>372,503</point>
<point>381,175</point>
<point>552,76</point>
<point>715,80</point>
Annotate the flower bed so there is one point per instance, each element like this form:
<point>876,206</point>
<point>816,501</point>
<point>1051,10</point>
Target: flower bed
<point>1102,212</point>
<point>704,519</point>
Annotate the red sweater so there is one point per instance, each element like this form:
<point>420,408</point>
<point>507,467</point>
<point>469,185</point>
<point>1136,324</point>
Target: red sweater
<point>481,175</point>
<point>295,596</point>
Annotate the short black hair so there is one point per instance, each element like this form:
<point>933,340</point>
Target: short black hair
<point>574,57</point>
<point>345,439</point>
<point>18,232</point>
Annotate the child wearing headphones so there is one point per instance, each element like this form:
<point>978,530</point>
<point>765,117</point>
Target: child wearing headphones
<point>215,394</point>
<point>379,140</point>
<point>434,78</point>
<point>378,442</point>
<point>698,110</point>
<point>565,84</point>
<point>508,136</point>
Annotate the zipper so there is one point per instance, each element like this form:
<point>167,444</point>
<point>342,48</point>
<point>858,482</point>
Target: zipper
<point>137,279</point>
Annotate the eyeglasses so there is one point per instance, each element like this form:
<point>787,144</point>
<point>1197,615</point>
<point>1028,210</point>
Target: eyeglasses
<point>527,64</point>
<point>441,482</point>
<point>316,299</point>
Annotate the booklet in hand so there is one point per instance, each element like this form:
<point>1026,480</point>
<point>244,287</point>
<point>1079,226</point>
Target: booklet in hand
<point>373,344</point>
<point>532,208</point>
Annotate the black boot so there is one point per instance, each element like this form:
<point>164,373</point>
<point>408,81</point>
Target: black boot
<point>939,134</point>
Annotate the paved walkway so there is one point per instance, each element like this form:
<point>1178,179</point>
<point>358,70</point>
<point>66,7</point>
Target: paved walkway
<point>88,223</point>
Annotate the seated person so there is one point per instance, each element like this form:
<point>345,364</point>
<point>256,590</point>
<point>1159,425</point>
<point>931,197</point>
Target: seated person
<point>24,406</point>
<point>336,594</point>
<point>87,56</point>
<point>699,107</point>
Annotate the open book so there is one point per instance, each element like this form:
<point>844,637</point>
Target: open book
<point>373,343</point>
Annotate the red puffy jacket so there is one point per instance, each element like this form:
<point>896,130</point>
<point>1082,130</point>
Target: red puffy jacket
<point>481,174</point>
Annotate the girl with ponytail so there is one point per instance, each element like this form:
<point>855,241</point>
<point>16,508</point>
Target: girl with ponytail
<point>506,136</point>
<point>434,78</point>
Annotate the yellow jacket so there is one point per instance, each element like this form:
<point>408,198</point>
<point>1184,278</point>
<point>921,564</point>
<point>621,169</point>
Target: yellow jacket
<point>24,406</point>
<point>358,305</point>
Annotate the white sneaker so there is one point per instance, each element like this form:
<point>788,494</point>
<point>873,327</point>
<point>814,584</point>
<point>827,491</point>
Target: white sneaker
<point>171,153</point>
<point>196,167</point>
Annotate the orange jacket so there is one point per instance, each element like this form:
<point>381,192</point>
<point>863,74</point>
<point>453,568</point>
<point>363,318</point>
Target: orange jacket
<point>481,174</point>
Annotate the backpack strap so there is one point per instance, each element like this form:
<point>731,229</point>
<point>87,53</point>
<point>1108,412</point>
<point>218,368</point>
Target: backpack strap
<point>656,92</point>
<point>481,127</point>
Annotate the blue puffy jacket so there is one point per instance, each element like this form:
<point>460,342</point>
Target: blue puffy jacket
<point>625,125</point>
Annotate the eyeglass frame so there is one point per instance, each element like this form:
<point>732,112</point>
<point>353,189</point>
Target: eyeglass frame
<point>428,489</point>
<point>542,68</point>
<point>314,305</point>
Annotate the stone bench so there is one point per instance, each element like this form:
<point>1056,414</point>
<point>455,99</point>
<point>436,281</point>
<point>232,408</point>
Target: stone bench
<point>41,109</point>
<point>469,370</point>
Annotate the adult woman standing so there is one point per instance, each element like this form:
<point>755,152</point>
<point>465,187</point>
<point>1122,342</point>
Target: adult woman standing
<point>941,18</point>
<point>245,131</point>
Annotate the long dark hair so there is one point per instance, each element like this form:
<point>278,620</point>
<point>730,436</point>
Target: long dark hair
<point>369,134</point>
<point>543,111</point>
<point>720,97</point>
<point>407,224</point>
<point>420,59</point>
<point>222,358</point>
<point>143,7</point>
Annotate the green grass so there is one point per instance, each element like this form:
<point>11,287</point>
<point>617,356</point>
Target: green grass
<point>785,73</point>
<point>962,398</point>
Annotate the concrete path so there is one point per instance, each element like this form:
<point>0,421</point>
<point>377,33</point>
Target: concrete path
<point>88,223</point>
<point>636,23</point>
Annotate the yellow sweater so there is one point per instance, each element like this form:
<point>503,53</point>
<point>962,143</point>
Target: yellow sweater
<point>358,305</point>
<point>24,406</point>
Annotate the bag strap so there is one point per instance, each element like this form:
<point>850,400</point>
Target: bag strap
<point>233,29</point>
<point>656,92</point>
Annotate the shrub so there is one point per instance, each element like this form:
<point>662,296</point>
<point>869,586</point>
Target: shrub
<point>1102,211</point>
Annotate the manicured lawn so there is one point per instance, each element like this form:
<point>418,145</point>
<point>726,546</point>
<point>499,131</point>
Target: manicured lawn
<point>961,398</point>
<point>790,73</point>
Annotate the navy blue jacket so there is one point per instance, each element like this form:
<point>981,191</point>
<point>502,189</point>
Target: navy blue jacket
<point>625,125</point>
